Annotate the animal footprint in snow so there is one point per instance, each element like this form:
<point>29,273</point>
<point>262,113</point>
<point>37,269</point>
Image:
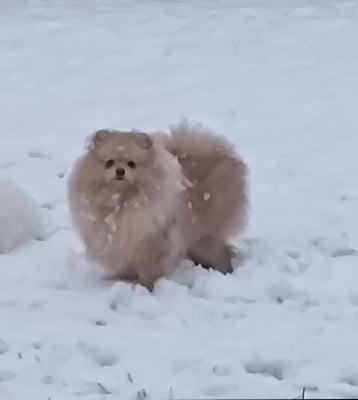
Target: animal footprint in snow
<point>220,390</point>
<point>6,375</point>
<point>334,247</point>
<point>141,395</point>
<point>102,357</point>
<point>47,380</point>
<point>283,290</point>
<point>4,348</point>
<point>254,249</point>
<point>222,370</point>
<point>37,154</point>
<point>274,369</point>
<point>6,164</point>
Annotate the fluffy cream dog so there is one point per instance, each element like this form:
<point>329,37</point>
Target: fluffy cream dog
<point>143,203</point>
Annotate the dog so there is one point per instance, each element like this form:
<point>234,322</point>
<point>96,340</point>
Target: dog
<point>144,202</point>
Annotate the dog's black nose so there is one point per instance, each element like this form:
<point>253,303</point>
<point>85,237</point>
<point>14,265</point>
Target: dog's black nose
<point>120,173</point>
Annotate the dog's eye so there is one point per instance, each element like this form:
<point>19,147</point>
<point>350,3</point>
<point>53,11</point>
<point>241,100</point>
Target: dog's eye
<point>131,164</point>
<point>108,164</point>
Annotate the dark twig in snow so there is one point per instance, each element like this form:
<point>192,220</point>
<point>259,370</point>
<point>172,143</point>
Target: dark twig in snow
<point>141,395</point>
<point>302,395</point>
<point>129,376</point>
<point>102,389</point>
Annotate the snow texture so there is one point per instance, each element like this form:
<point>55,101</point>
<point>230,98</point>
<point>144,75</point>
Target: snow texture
<point>277,77</point>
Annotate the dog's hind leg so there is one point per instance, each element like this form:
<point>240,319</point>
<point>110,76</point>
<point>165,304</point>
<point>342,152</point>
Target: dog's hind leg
<point>212,253</point>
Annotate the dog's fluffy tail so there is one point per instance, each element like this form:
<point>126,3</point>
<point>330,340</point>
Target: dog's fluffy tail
<point>197,139</point>
<point>19,216</point>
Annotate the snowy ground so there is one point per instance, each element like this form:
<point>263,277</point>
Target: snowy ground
<point>279,78</point>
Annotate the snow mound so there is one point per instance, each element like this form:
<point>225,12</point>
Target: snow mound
<point>19,216</point>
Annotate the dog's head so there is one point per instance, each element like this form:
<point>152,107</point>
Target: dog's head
<point>124,159</point>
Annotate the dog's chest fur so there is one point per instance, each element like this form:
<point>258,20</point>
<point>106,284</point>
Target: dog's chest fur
<point>119,232</point>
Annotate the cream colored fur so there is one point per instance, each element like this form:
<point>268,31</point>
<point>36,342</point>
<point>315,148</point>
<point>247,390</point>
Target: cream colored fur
<point>185,197</point>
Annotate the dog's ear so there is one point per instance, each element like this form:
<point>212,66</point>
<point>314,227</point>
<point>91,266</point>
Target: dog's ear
<point>144,140</point>
<point>98,138</point>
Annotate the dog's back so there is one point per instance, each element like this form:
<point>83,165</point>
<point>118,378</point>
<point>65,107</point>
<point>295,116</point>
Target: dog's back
<point>218,194</point>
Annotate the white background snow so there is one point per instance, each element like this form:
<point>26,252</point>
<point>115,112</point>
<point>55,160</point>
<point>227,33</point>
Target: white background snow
<point>280,79</point>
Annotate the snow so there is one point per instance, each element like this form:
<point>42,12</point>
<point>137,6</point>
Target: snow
<point>279,78</point>
<point>20,218</point>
